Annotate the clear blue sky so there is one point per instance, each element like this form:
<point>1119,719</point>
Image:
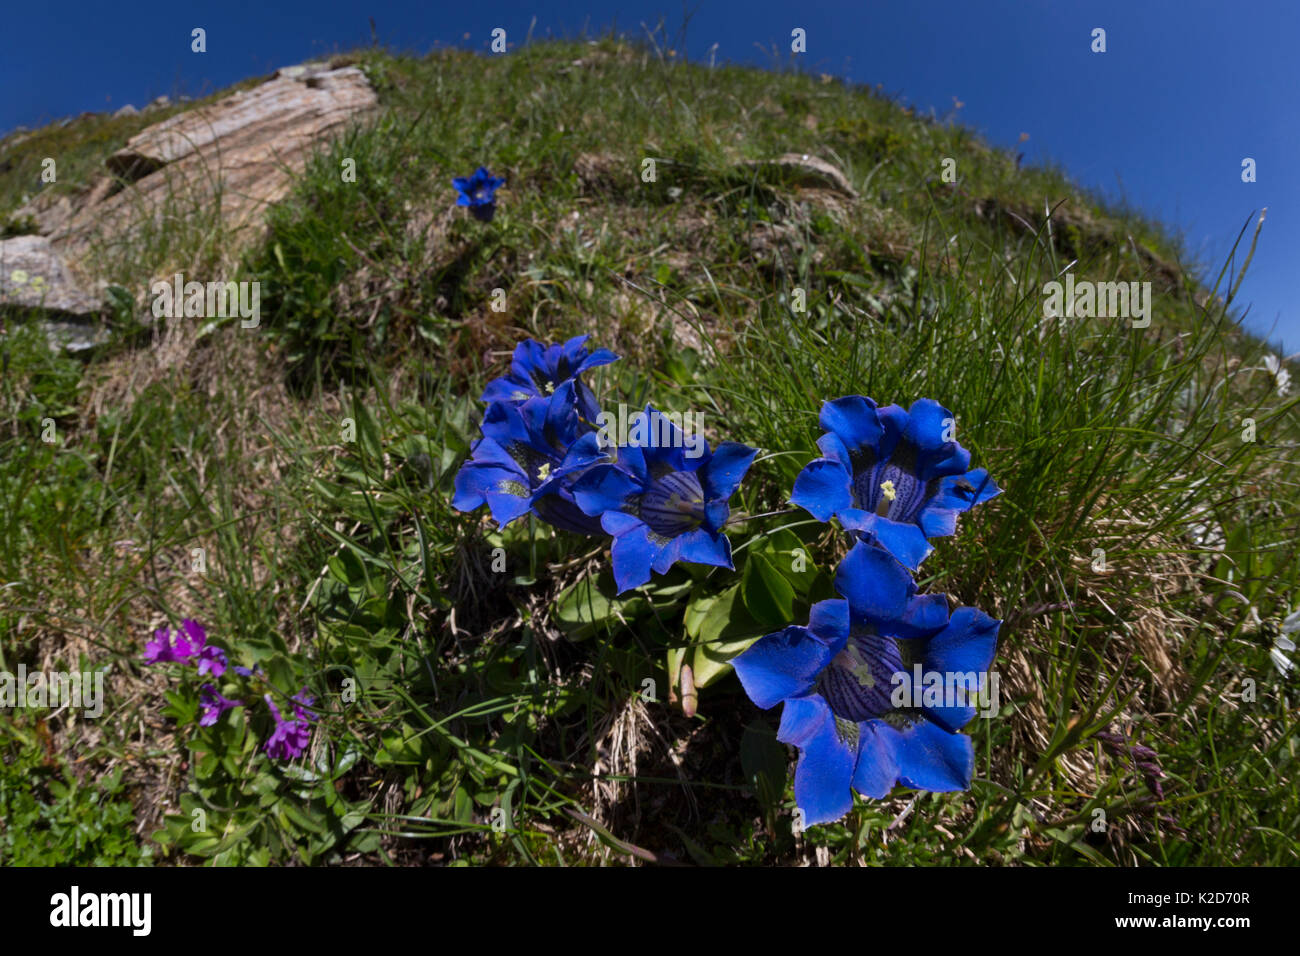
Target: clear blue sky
<point>1163,119</point>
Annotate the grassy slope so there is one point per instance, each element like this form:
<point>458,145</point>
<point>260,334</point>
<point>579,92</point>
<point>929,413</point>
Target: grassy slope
<point>328,559</point>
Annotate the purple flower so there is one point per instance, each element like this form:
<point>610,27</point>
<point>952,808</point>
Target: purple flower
<point>214,705</point>
<point>169,646</point>
<point>302,702</point>
<point>290,737</point>
<point>212,660</point>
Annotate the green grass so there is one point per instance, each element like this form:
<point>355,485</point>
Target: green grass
<point>451,691</point>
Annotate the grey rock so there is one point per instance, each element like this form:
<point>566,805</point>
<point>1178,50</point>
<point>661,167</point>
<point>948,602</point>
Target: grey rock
<point>33,275</point>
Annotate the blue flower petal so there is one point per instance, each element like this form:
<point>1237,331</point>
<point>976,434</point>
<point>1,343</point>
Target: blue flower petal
<point>832,448</point>
<point>661,442</point>
<point>618,522</point>
<point>930,758</point>
<point>475,479</point>
<point>905,541</point>
<point>630,460</point>
<point>877,587</point>
<point>952,493</point>
<point>669,554</point>
<point>634,551</point>
<point>588,407</point>
<point>877,768</point>
<point>937,522</point>
<point>787,663</point>
<point>702,546</point>
<point>829,622</point>
<point>505,491</point>
<point>605,488</point>
<point>801,719</point>
<point>725,469</point>
<point>582,454</point>
<point>965,647</point>
<point>822,489</point>
<point>854,419</point>
<point>925,614</point>
<point>823,777</point>
<point>893,422</point>
<point>926,425</point>
<point>508,390</point>
<point>595,360</point>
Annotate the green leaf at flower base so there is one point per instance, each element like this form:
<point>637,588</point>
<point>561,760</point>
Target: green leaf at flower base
<point>789,554</point>
<point>768,596</point>
<point>583,608</point>
<point>727,629</point>
<point>765,762</point>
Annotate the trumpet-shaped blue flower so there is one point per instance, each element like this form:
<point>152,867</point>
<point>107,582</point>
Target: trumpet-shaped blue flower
<point>526,459</point>
<point>478,192</point>
<point>538,370</point>
<point>661,505</point>
<point>852,706</point>
<point>891,475</point>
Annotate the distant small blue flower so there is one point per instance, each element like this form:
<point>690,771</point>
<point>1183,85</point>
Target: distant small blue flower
<point>538,370</point>
<point>662,506</point>
<point>478,192</point>
<point>889,475</point>
<point>836,678</point>
<point>525,459</point>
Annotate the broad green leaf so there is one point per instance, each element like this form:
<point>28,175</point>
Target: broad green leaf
<point>768,596</point>
<point>590,603</point>
<point>727,630</point>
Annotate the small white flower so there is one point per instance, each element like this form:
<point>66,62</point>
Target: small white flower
<point>1281,376</point>
<point>1283,663</point>
<point>1283,645</point>
<point>18,277</point>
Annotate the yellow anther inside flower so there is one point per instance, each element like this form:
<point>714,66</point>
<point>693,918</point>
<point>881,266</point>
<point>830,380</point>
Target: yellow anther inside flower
<point>887,489</point>
<point>544,472</point>
<point>852,661</point>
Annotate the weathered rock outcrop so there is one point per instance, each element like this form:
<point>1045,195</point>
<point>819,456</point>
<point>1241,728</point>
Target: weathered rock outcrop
<point>229,159</point>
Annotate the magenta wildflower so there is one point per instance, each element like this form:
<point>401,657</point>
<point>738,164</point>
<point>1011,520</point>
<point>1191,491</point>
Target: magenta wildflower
<point>291,736</point>
<point>176,645</point>
<point>214,705</point>
<point>212,660</point>
<point>302,702</point>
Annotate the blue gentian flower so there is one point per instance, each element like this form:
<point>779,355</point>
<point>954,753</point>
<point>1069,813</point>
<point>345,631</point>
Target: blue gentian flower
<point>538,370</point>
<point>837,679</point>
<point>478,192</point>
<point>889,475</point>
<point>526,459</point>
<point>661,505</point>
